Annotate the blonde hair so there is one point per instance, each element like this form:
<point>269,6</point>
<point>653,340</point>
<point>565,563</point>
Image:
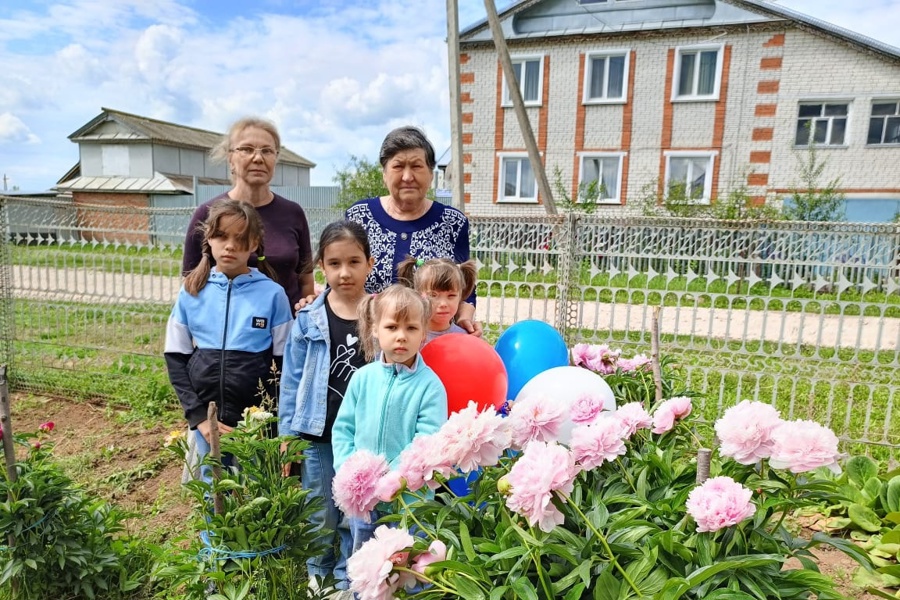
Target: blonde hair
<point>397,301</point>
<point>219,152</point>
<point>438,275</point>
<point>251,235</point>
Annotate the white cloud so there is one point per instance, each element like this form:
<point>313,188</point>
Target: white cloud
<point>14,131</point>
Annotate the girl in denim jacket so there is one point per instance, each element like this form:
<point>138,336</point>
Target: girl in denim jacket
<point>322,353</point>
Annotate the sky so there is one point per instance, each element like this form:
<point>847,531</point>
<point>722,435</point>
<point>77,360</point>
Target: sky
<point>335,76</point>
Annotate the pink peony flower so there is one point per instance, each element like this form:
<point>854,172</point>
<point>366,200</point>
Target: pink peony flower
<point>424,458</point>
<point>633,417</point>
<point>37,445</point>
<point>473,439</point>
<point>745,431</point>
<point>371,568</point>
<point>581,353</point>
<point>535,418</point>
<point>46,427</point>
<point>671,410</point>
<point>801,446</point>
<point>388,486</point>
<point>720,502</point>
<point>543,468</point>
<point>638,362</point>
<point>603,359</point>
<point>585,409</point>
<point>437,552</point>
<point>354,487</point>
<point>602,441</point>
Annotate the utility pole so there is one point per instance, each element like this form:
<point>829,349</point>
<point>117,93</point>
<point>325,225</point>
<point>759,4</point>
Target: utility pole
<point>456,146</point>
<point>5,180</point>
<point>512,84</point>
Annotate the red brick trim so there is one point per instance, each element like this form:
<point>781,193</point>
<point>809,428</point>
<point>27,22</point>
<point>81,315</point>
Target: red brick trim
<point>465,98</point>
<point>627,127</point>
<point>761,157</point>
<point>464,58</point>
<point>719,124</point>
<point>768,87</point>
<point>579,126</point>
<point>765,110</point>
<point>499,128</point>
<point>770,63</point>
<point>467,77</point>
<point>758,179</point>
<point>762,134</point>
<point>775,40</point>
<point>666,136</point>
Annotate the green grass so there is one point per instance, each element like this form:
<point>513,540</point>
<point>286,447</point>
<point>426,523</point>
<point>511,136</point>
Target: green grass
<point>114,259</point>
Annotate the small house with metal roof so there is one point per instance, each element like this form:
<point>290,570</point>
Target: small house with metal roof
<point>643,97</point>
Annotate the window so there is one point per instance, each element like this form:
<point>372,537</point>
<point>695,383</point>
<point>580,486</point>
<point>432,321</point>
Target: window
<point>517,183</point>
<point>601,175</point>
<point>689,175</point>
<point>605,76</point>
<point>530,83</point>
<point>698,73</point>
<point>884,124</point>
<point>826,121</point>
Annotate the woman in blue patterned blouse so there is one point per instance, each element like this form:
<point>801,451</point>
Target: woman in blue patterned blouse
<point>406,223</point>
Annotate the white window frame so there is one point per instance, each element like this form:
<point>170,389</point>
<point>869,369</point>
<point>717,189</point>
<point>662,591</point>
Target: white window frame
<point>680,51</point>
<point>588,58</point>
<point>617,155</point>
<point>522,59</point>
<point>708,181</point>
<point>501,189</point>
<point>890,99</point>
<point>824,101</point>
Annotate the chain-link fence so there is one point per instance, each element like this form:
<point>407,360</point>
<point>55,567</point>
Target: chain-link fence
<point>804,316</point>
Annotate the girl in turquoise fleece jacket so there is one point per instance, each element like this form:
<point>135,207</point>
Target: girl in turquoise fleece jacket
<point>395,398</point>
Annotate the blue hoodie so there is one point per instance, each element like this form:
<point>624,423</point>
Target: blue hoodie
<point>221,343</point>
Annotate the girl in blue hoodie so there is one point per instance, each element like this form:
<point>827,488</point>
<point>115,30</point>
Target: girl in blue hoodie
<point>323,351</point>
<point>228,326</point>
<point>395,398</point>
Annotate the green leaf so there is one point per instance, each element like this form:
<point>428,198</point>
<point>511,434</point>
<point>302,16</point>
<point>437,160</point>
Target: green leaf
<point>860,469</point>
<point>524,589</point>
<point>872,489</point>
<point>467,588</point>
<point>864,518</point>
<point>466,541</point>
<point>606,587</point>
<point>891,537</point>
<point>893,494</point>
<point>575,593</point>
<point>845,546</point>
<point>728,595</point>
<point>893,516</point>
<point>497,592</point>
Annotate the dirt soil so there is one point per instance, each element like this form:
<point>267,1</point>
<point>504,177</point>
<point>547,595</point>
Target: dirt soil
<point>124,462</point>
<point>127,463</point>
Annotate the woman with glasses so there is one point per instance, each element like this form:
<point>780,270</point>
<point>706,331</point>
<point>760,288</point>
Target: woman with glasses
<point>251,149</point>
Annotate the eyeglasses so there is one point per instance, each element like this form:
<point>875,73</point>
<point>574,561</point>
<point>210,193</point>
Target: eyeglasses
<point>248,151</point>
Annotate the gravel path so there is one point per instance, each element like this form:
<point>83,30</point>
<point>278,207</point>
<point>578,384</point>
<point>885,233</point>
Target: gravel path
<point>870,333</point>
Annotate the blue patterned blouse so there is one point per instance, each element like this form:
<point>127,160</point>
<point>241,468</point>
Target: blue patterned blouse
<point>442,232</point>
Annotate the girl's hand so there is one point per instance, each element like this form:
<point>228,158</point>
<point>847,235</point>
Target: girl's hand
<point>204,429</point>
<point>472,326</point>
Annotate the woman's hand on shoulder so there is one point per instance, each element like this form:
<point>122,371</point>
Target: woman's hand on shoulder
<point>304,302</point>
<point>472,326</point>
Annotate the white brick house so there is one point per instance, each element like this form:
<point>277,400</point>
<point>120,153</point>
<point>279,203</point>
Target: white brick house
<point>640,94</point>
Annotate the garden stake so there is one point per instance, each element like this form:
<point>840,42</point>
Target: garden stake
<point>654,354</point>
<point>704,457</point>
<point>215,452</point>
<point>9,451</point>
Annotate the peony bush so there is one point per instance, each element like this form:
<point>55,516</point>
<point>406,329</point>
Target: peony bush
<point>615,513</point>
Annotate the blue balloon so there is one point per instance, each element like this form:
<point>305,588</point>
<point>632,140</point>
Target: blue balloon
<point>529,348</point>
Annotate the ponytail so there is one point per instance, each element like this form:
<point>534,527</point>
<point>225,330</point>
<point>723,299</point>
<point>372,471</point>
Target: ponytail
<point>406,272</point>
<point>469,272</point>
<point>199,275</point>
<point>264,265</point>
<point>366,326</point>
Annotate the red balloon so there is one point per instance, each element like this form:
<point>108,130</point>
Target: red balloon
<point>469,368</point>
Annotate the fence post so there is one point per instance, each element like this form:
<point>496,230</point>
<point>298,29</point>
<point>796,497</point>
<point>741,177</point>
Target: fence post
<point>9,450</point>
<point>567,301</point>
<point>216,454</point>
<point>7,316</point>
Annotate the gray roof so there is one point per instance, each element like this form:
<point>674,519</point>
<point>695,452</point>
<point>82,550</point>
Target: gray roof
<point>160,183</point>
<point>162,132</point>
<point>535,19</point>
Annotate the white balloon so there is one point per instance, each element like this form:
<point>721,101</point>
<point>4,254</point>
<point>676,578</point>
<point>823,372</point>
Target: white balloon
<point>566,385</point>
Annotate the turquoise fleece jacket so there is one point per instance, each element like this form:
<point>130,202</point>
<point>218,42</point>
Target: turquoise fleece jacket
<point>385,407</point>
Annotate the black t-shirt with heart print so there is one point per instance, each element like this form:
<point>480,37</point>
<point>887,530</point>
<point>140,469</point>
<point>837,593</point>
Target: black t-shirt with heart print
<point>346,357</point>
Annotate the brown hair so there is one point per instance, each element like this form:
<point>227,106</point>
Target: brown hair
<point>400,302</point>
<point>339,231</point>
<point>251,235</point>
<point>406,138</point>
<point>439,275</point>
<point>219,152</point>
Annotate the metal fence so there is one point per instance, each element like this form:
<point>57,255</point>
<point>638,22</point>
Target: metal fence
<point>804,316</point>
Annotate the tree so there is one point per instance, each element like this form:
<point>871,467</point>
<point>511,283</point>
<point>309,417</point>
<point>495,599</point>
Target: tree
<point>812,202</point>
<point>359,179</point>
<point>588,194</point>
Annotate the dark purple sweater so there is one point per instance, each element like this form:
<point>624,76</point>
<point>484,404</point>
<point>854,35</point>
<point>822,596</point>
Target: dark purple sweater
<point>287,243</point>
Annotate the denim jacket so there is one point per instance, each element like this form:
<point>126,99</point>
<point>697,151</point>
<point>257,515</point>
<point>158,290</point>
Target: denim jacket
<point>304,376</point>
